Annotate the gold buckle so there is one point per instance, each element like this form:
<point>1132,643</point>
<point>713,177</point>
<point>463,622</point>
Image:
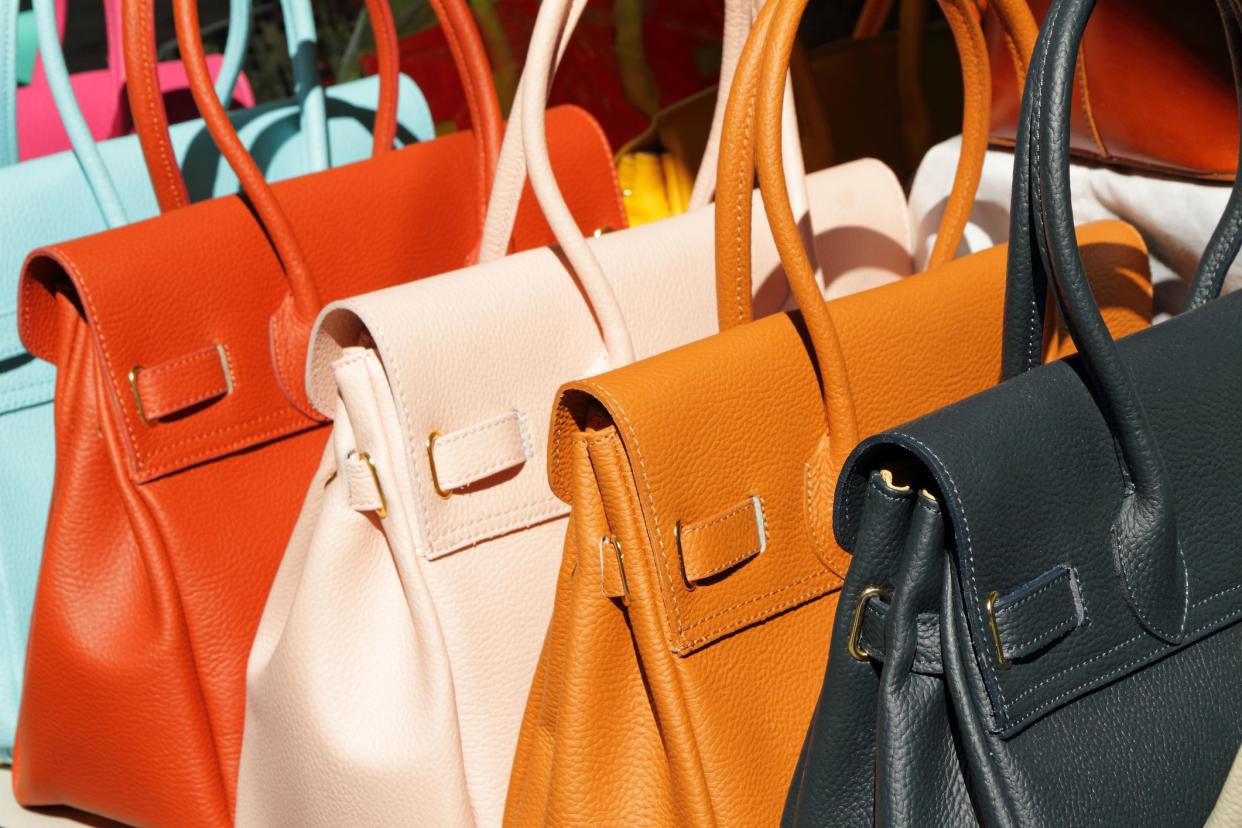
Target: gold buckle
<point>382,511</point>
<point>431,460</point>
<point>625,582</point>
<point>1004,663</point>
<point>857,651</point>
<point>681,557</point>
<point>133,386</point>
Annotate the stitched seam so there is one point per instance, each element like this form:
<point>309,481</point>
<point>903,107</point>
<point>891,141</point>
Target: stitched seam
<point>469,476</point>
<point>1057,627</point>
<point>1132,598</point>
<point>766,612</point>
<point>744,192</point>
<point>1119,670</point>
<point>748,554</point>
<point>701,621</point>
<point>494,422</point>
<point>974,587</point>
<point>1033,595</point>
<point>149,471</point>
<point>655,517</point>
<point>181,360</point>
<point>720,519</point>
<point>171,408</point>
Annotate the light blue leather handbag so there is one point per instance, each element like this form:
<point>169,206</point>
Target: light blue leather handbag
<point>104,185</point>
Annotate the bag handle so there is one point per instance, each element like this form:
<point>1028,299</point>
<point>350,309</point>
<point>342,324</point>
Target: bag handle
<point>511,169</point>
<point>226,79</point>
<point>151,121</point>
<point>733,288</point>
<point>1147,554</point>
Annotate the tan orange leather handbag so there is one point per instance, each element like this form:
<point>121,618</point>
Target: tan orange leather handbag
<point>185,441</point>
<point>1154,89</point>
<point>699,580</point>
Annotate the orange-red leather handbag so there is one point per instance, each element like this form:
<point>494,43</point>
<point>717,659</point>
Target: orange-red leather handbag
<point>185,441</point>
<point>1154,89</point>
<point>700,577</point>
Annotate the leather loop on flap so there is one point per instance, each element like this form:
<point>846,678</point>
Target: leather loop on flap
<point>720,543</point>
<point>927,648</point>
<point>472,454</point>
<point>173,386</point>
<point>1038,613</point>
<point>612,580</point>
<point>365,494</point>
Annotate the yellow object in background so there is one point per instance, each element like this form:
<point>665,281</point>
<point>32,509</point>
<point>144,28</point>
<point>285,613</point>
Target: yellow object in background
<point>654,185</point>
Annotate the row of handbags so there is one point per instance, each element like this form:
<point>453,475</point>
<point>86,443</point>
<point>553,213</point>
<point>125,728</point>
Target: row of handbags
<point>662,611</point>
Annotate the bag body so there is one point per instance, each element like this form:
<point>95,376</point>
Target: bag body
<point>145,671</point>
<point>1043,574</point>
<point>699,579</point>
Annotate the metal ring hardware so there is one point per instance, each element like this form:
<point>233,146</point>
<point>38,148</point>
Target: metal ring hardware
<point>854,644</point>
<point>1003,662</point>
<point>382,511</point>
<point>431,460</point>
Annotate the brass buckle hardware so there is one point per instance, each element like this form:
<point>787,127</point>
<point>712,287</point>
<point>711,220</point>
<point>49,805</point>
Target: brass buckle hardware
<point>431,460</point>
<point>625,582</point>
<point>602,231</point>
<point>854,644</point>
<point>681,557</point>
<point>133,386</point>
<point>382,511</point>
<point>1004,663</point>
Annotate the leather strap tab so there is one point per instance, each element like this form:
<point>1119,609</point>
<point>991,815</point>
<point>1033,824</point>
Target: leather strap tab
<point>1038,613</point>
<point>173,386</point>
<point>721,542</point>
<point>472,454</point>
<point>1027,620</point>
<point>365,494</point>
<point>927,650</point>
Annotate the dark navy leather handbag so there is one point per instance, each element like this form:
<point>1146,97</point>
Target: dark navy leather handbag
<point>1040,622</point>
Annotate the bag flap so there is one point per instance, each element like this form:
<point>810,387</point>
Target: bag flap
<point>53,201</point>
<point>194,290</point>
<point>475,357</point>
<point>710,426</point>
<point>1052,508</point>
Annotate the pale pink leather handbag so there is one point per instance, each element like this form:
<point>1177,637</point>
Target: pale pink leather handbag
<point>388,679</point>
<point>101,92</point>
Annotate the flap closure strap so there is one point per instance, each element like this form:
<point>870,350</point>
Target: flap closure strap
<point>706,549</point>
<point>470,455</point>
<point>176,385</point>
<point>1021,622</point>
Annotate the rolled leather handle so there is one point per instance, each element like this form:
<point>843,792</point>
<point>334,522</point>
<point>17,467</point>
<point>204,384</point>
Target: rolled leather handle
<point>1146,551</point>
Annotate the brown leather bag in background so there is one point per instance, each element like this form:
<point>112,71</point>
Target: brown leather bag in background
<point>1154,92</point>
<point>698,587</point>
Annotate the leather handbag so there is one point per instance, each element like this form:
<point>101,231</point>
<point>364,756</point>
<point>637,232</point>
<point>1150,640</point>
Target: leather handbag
<point>392,663</point>
<point>62,197</point>
<point>1039,623</point>
<point>186,436</point>
<point>31,108</point>
<point>1175,214</point>
<point>1154,90</point>
<point>699,578</point>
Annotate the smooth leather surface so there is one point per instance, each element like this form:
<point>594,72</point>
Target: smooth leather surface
<point>1154,89</point>
<point>1103,466</point>
<point>153,625</point>
<point>58,204</point>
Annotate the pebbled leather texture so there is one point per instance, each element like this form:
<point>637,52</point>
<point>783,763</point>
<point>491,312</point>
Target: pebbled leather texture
<point>472,576</point>
<point>59,205</point>
<point>1126,111</point>
<point>695,660</point>
<point>1088,487</point>
<point>169,596</point>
